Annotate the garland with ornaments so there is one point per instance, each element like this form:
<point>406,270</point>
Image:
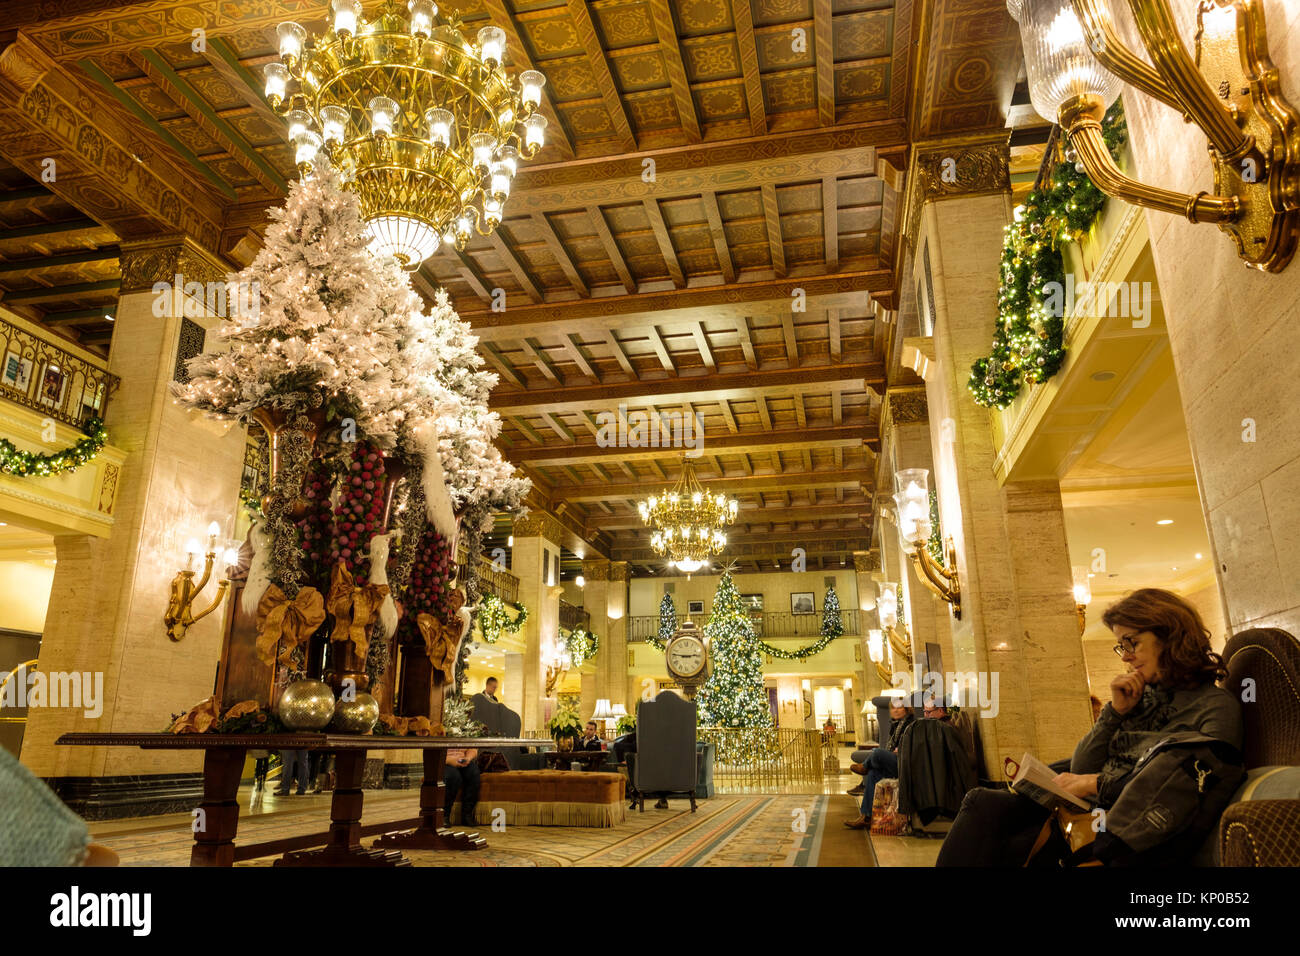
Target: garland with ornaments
<point>494,619</point>
<point>30,464</point>
<point>832,627</point>
<point>581,644</point>
<point>1028,338</point>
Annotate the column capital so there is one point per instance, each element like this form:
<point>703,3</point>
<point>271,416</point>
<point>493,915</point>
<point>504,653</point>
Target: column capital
<point>539,524</point>
<point>148,261</point>
<point>906,406</point>
<point>595,570</point>
<point>952,170</point>
<point>619,571</point>
<point>866,561</point>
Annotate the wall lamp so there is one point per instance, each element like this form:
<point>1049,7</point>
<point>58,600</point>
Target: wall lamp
<point>1082,595</point>
<point>887,615</point>
<point>912,498</point>
<point>180,605</point>
<point>1076,62</point>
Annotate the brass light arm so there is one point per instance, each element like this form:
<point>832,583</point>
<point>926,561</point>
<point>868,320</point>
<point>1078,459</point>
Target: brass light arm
<point>222,587</point>
<point>899,645</point>
<point>1169,54</point>
<point>1110,50</point>
<point>943,581</point>
<point>1081,118</point>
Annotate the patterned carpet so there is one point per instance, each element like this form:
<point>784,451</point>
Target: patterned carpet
<point>749,830</point>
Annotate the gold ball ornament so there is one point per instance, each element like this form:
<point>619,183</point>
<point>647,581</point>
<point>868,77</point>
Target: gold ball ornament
<point>306,705</point>
<point>357,716</point>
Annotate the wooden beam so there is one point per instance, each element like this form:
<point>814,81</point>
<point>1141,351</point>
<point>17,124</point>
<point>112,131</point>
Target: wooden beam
<point>511,259</point>
<point>557,426</point>
<point>772,216</point>
<point>469,272</point>
<point>76,316</point>
<point>831,222</point>
<point>62,291</point>
<point>517,54</point>
<point>764,514</point>
<point>575,349</point>
<point>714,217</point>
<point>498,361</point>
<point>764,414</point>
<point>589,40</point>
<point>744,17</point>
<point>611,249</point>
<point>746,342</point>
<point>616,347</point>
<point>825,59</point>
<point>561,254</point>
<point>692,388</point>
<point>731,485</point>
<point>660,230</point>
<point>833,333</point>
<point>18,267</point>
<point>702,343</point>
<point>249,87</point>
<point>800,413</point>
<point>579,453</point>
<point>670,48</point>
<point>544,364</point>
<point>529,432</point>
<point>729,415</point>
<point>661,350</point>
<point>791,343</point>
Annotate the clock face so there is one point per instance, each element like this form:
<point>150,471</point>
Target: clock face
<point>686,656</point>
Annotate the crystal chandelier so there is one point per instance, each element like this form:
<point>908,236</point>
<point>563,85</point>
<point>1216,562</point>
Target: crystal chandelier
<point>688,522</point>
<point>426,127</point>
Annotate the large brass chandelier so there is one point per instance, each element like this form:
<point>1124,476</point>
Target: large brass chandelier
<point>426,127</point>
<point>689,524</point>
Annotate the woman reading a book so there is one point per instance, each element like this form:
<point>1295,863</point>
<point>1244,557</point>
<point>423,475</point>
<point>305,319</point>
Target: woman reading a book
<point>1166,714</point>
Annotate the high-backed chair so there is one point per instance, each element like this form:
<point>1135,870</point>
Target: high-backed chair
<point>665,748</point>
<point>499,720</point>
<point>1261,827</point>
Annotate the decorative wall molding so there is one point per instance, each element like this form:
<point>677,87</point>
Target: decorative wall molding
<point>162,260</point>
<point>539,524</point>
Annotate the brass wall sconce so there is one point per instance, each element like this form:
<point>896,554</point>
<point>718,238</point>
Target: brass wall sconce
<point>1082,596</point>
<point>1076,62</point>
<point>557,665</point>
<point>912,499</point>
<point>180,605</point>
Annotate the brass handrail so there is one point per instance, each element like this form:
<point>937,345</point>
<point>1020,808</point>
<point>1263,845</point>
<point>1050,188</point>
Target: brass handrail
<point>38,374</point>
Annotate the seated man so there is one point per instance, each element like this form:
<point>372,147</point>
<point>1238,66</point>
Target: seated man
<point>590,739</point>
<point>880,763</point>
<point>897,712</point>
<point>461,776</point>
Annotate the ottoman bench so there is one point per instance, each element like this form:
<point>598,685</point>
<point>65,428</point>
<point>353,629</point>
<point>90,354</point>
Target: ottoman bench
<point>552,798</point>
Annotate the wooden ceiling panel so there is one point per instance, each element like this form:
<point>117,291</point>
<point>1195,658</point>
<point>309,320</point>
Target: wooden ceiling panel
<point>710,58</point>
<point>768,12</point>
<point>862,36</point>
<point>550,33</point>
<point>622,24</point>
<point>780,49</point>
<point>639,69</point>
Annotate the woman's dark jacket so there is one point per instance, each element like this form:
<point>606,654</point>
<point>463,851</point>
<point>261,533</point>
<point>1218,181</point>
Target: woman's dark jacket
<point>1165,770</point>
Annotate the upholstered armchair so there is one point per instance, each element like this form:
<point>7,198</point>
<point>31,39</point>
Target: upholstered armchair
<point>666,748</point>
<point>500,721</point>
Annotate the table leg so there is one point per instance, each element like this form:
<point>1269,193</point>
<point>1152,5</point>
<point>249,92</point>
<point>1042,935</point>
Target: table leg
<point>218,816</point>
<point>430,834</point>
<point>344,847</point>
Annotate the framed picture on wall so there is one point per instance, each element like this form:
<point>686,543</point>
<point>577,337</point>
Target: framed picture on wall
<point>53,387</point>
<point>753,603</point>
<point>16,372</point>
<point>694,607</point>
<point>801,602</point>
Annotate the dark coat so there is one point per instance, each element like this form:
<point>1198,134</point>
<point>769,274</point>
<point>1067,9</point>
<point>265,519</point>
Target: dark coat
<point>934,773</point>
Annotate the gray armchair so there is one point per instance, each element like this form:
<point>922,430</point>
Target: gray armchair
<point>500,721</point>
<point>666,758</point>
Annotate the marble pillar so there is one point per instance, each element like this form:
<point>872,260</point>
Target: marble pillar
<point>535,562</point>
<point>109,595</point>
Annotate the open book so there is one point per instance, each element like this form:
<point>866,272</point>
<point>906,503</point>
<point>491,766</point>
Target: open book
<point>1034,778</point>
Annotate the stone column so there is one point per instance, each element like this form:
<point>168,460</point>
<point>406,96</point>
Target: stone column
<point>535,562</point>
<point>109,595</point>
<point>1234,337</point>
<point>512,682</point>
<point>866,564</point>
<point>1018,619</point>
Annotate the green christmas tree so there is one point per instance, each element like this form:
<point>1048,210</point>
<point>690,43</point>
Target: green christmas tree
<point>832,622</point>
<point>667,621</point>
<point>733,696</point>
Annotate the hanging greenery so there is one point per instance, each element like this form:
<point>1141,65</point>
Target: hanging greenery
<point>935,544</point>
<point>832,627</point>
<point>1028,339</point>
<point>581,644</point>
<point>494,619</point>
<point>30,464</point>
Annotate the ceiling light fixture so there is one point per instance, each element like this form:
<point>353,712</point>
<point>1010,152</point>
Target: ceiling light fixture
<point>1165,521</point>
<point>688,523</point>
<point>426,127</point>
<point>1077,64</point>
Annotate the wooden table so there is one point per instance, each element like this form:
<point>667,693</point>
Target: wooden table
<point>223,764</point>
<point>562,758</point>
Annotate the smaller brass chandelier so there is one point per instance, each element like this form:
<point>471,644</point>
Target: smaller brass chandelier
<point>689,524</point>
<point>426,127</point>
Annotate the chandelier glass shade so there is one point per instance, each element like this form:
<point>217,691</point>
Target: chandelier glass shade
<point>688,524</point>
<point>426,127</point>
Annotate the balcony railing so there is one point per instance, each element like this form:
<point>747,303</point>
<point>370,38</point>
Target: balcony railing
<point>572,617</point>
<point>38,374</point>
<point>767,624</point>
<point>499,581</point>
<point>766,760</point>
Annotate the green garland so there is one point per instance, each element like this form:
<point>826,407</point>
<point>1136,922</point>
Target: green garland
<point>935,544</point>
<point>1028,340</point>
<point>29,464</point>
<point>832,627</point>
<point>581,644</point>
<point>494,619</point>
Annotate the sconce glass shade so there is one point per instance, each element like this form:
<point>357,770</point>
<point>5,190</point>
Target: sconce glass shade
<point>1082,586</point>
<point>912,499</point>
<point>876,645</point>
<point>1057,57</point>
<point>887,603</point>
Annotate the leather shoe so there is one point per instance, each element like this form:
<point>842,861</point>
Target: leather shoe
<point>857,791</point>
<point>662,804</point>
<point>858,769</point>
<point>858,824</point>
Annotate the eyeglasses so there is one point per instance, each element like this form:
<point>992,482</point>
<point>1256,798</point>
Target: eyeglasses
<point>1128,645</point>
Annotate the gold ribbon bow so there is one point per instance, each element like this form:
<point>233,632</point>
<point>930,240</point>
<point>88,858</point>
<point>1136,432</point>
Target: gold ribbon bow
<point>441,642</point>
<point>294,621</point>
<point>411,726</point>
<point>354,608</point>
<point>200,718</point>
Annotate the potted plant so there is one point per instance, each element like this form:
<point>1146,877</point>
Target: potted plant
<point>565,727</point>
<point>625,725</point>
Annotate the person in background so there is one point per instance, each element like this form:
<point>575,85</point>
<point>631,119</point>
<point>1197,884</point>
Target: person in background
<point>461,777</point>
<point>882,762</point>
<point>590,739</point>
<point>490,690</point>
<point>293,763</point>
<point>897,712</point>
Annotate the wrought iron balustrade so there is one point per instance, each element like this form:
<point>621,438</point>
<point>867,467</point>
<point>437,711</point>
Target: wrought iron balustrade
<point>38,374</point>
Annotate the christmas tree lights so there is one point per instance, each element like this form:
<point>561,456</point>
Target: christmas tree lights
<point>733,696</point>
